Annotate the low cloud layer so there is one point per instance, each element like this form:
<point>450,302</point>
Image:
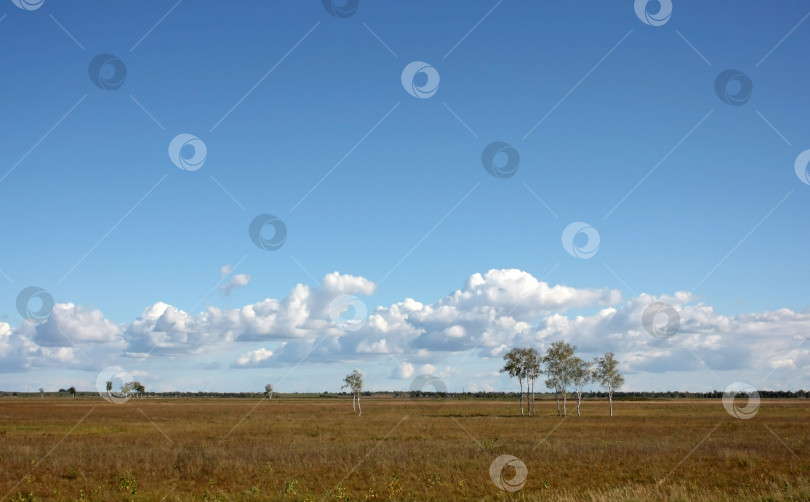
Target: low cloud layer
<point>488,314</point>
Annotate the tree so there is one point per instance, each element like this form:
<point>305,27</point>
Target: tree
<point>531,362</point>
<point>515,367</point>
<point>581,375</point>
<point>72,390</point>
<point>558,368</point>
<point>354,381</point>
<point>607,374</point>
<point>42,392</point>
<point>268,391</point>
<point>109,388</point>
<point>139,388</point>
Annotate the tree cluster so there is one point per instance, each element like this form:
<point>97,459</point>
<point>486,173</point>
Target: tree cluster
<point>564,371</point>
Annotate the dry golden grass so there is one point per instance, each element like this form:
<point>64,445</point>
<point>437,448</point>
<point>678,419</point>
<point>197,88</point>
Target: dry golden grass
<point>400,449</point>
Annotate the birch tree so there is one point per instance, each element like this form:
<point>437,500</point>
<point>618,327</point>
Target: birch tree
<point>607,373</point>
<point>109,388</point>
<point>581,375</point>
<point>558,368</point>
<point>515,368</point>
<point>531,362</point>
<point>268,391</point>
<point>354,381</point>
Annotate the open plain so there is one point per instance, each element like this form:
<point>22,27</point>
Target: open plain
<point>399,449</point>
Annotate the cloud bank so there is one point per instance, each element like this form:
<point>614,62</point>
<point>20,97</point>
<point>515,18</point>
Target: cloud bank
<point>488,314</point>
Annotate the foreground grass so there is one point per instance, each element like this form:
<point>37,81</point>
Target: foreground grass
<point>399,449</point>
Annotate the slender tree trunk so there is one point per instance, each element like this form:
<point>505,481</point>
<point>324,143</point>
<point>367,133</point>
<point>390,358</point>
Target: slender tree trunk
<point>579,402</point>
<point>565,403</point>
<point>558,404</point>
<point>610,400</point>
<point>521,398</point>
<point>533,412</point>
<point>354,397</point>
<point>359,409</point>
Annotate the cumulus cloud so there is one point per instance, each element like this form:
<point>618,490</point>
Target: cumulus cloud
<point>403,370</point>
<point>71,324</point>
<point>489,313</point>
<point>254,358</point>
<point>237,281</point>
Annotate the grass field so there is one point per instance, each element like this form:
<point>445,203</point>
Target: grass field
<point>400,449</point>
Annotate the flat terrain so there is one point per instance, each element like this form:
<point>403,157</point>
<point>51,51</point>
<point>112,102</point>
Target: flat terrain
<point>400,449</point>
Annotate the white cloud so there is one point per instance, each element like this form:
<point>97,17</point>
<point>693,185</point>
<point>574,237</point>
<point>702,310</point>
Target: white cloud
<point>488,314</point>
<point>403,370</point>
<point>254,358</point>
<point>237,281</point>
<point>70,324</point>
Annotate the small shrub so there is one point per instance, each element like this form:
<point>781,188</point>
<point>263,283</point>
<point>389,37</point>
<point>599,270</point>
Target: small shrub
<point>128,483</point>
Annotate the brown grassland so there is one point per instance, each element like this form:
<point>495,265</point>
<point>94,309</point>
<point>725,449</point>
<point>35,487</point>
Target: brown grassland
<point>400,449</point>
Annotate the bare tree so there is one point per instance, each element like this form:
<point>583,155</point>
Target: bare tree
<point>268,391</point>
<point>607,373</point>
<point>558,362</point>
<point>354,381</point>
<point>581,375</point>
<point>515,367</point>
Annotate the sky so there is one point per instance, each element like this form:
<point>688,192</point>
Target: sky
<point>222,195</point>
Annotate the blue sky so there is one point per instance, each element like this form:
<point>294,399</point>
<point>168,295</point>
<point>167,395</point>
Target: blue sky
<point>304,117</point>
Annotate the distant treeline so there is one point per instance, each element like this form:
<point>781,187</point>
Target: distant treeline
<point>634,396</point>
